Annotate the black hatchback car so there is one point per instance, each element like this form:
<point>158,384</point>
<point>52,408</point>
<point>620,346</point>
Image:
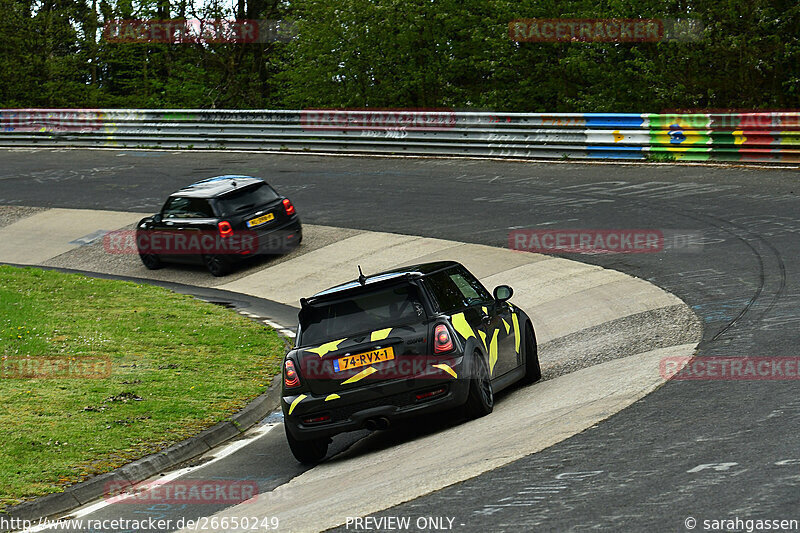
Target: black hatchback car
<point>217,222</point>
<point>415,340</point>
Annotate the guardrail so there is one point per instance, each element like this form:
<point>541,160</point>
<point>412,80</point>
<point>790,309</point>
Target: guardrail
<point>754,137</point>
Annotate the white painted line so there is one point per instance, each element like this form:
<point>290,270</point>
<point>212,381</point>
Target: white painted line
<point>218,456</point>
<point>718,467</point>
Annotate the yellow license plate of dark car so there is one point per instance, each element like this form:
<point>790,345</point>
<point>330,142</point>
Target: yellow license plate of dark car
<point>260,220</point>
<point>363,359</point>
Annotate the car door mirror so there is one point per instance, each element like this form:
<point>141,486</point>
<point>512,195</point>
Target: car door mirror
<point>157,218</point>
<point>503,293</point>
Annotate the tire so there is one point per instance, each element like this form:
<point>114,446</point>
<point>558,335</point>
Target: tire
<point>533,372</point>
<point>480,399</point>
<point>151,261</point>
<point>217,265</point>
<point>308,452</point>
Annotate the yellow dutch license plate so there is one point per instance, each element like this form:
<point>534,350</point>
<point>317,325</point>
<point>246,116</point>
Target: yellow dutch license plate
<point>260,220</point>
<point>363,359</point>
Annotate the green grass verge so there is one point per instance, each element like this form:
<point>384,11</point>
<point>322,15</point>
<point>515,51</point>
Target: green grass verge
<point>177,366</point>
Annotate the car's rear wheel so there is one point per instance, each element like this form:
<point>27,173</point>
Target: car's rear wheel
<point>480,400</point>
<point>533,372</point>
<point>216,264</point>
<point>151,261</point>
<point>308,451</point>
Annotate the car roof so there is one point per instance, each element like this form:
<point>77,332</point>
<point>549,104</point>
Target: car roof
<point>217,186</point>
<point>412,271</point>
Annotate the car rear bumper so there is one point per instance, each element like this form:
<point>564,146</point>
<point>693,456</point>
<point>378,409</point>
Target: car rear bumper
<point>353,409</point>
<point>280,239</point>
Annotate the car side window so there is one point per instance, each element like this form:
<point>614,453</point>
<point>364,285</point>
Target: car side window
<point>178,207</point>
<point>456,288</point>
<point>445,291</point>
<point>470,286</point>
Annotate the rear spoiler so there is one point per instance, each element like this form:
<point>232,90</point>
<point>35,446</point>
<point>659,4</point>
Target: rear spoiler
<point>357,288</point>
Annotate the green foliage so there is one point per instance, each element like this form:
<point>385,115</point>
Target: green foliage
<point>403,54</point>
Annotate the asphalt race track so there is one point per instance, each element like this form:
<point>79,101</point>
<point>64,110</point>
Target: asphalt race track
<point>705,449</point>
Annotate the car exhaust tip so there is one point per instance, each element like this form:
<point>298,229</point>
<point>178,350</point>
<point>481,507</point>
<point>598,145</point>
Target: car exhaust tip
<point>374,424</point>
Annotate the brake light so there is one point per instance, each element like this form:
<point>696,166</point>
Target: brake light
<point>290,377</point>
<point>441,339</point>
<point>287,204</point>
<point>225,229</point>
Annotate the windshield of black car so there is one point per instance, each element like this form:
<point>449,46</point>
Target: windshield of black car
<point>246,199</point>
<point>361,314</point>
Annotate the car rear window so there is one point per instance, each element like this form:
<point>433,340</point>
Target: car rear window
<point>245,199</point>
<point>374,310</point>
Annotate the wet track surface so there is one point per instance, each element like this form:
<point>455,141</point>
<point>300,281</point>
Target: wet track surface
<point>707,449</point>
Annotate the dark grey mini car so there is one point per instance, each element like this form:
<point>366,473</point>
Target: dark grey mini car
<point>218,222</point>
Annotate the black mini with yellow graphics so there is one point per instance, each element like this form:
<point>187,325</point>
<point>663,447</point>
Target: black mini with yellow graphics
<point>414,340</point>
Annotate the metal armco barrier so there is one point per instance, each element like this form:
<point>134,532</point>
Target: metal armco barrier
<point>752,137</point>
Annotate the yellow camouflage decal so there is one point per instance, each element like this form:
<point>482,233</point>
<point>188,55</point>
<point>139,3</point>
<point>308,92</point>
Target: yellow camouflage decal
<point>332,397</point>
<point>296,401</point>
<point>485,311</point>
<point>361,375</point>
<point>507,325</point>
<point>515,320</point>
<point>462,326</point>
<point>446,368</point>
<point>493,351</point>
<point>483,338</point>
<point>380,334</point>
<point>325,348</point>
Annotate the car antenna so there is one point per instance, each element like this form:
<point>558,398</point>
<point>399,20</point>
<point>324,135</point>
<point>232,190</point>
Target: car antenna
<point>362,279</point>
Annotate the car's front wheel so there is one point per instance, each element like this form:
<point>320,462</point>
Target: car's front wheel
<point>308,451</point>
<point>480,400</point>
<point>151,261</point>
<point>216,264</point>
<point>533,372</point>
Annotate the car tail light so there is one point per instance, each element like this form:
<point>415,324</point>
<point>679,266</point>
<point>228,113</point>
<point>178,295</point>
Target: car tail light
<point>287,204</point>
<point>442,342</point>
<point>225,229</point>
<point>290,377</point>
